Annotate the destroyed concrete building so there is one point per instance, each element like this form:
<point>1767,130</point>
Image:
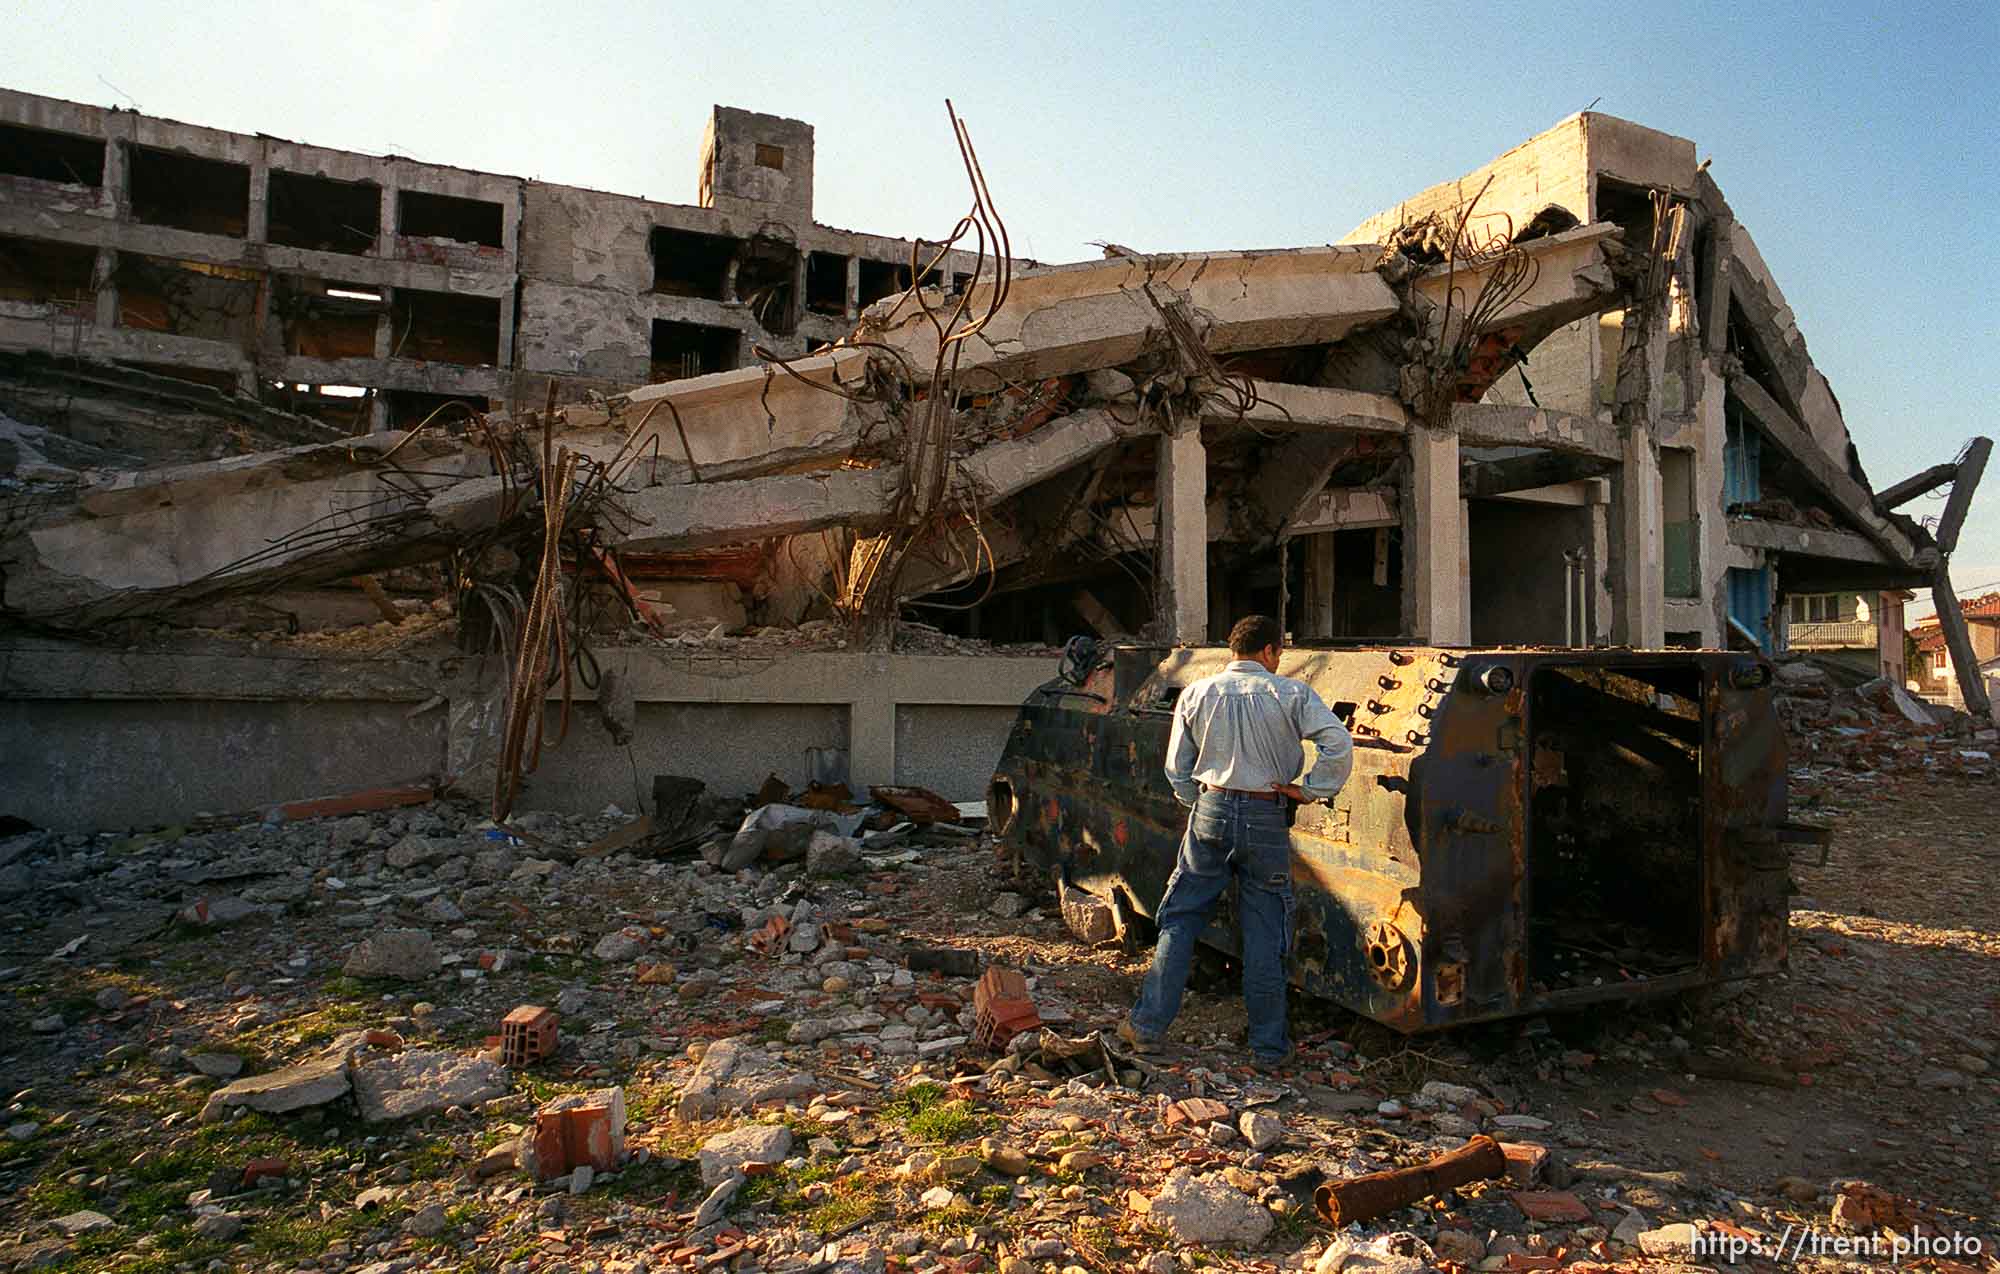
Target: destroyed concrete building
<point>304,275</point>
<point>1560,401</point>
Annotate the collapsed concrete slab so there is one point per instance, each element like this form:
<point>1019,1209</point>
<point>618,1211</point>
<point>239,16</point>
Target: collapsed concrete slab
<point>1059,320</point>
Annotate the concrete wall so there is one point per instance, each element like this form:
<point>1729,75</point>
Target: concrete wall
<point>94,737</point>
<point>85,763</point>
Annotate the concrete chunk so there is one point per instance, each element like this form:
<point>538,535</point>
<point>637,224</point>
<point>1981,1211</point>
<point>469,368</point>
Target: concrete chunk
<point>420,1081</point>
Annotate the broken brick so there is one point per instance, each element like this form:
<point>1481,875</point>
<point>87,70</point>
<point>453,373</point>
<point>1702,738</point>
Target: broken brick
<point>1002,1008</point>
<point>527,1034</point>
<point>1526,1161</point>
<point>1550,1206</point>
<point>573,1131</point>
<point>257,1169</point>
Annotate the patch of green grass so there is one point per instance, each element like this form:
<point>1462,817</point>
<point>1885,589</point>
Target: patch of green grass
<point>12,1152</point>
<point>296,1237</point>
<point>927,1117</point>
<point>774,1031</point>
<point>51,1197</point>
<point>432,1159</point>
<point>851,1201</point>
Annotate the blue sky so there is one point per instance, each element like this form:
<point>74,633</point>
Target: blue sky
<point>1860,144</point>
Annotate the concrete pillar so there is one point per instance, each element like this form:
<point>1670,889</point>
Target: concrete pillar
<point>504,355</point>
<point>1433,541</point>
<point>1597,591</point>
<point>1639,609</point>
<point>258,228</point>
<point>385,239</point>
<point>1182,560</point>
<point>853,288</point>
<point>115,196</point>
<point>378,412</point>
<point>104,286</point>
<point>1316,611</point>
<point>385,325</point>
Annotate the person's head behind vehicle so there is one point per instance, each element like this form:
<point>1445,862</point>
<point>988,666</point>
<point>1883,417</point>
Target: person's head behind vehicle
<point>1259,638</point>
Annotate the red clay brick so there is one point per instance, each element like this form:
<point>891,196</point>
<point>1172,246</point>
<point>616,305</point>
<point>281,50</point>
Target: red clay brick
<point>528,1034</point>
<point>1525,1161</point>
<point>1549,1206</point>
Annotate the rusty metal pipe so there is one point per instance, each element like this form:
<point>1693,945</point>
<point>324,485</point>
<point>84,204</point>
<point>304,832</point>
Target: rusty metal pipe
<point>1378,1193</point>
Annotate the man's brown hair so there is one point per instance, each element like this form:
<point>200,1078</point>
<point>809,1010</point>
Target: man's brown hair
<point>1254,632</point>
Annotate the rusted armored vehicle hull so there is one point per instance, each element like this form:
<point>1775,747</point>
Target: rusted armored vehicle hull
<point>1525,830</point>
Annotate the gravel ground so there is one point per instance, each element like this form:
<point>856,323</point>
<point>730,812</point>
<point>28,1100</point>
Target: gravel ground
<point>782,1001</point>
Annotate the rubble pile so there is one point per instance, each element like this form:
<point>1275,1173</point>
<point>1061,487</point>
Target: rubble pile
<point>1842,729</point>
<point>286,1046</point>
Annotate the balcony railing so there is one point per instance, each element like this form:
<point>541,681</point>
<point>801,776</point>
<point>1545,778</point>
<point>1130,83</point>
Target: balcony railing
<point>1832,635</point>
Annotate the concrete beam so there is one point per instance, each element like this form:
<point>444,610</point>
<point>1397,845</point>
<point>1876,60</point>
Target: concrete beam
<point>1572,279</point>
<point>1058,320</point>
<point>1915,485</point>
<point>1284,406</point>
<point>1811,541</point>
<point>1964,659</point>
<point>1970,469</point>
<point>1008,468</point>
<point>738,422</point>
<point>704,514</point>
<point>1506,425</point>
<point>1828,479</point>
<point>1490,478</point>
<point>1309,407</point>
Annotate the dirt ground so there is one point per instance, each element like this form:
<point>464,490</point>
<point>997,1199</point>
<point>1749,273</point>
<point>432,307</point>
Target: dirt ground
<point>1878,1053</point>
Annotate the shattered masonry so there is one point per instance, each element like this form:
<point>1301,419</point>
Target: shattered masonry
<point>1560,401</point>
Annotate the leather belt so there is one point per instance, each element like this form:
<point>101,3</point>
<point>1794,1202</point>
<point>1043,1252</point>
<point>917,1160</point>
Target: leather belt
<point>1237,791</point>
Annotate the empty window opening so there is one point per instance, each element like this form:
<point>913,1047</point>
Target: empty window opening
<point>319,320</point>
<point>324,215</point>
<point>1630,207</point>
<point>43,272</point>
<point>826,284</point>
<point>410,408</point>
<point>444,327</point>
<point>188,192</point>
<point>1614,865</point>
<point>1537,599</point>
<point>186,298</point>
<point>46,156</point>
<point>420,215</point>
<point>689,263</point>
<point>882,278</point>
<point>342,406</point>
<point>692,349</point>
<point>961,282</point>
<point>769,156</point>
<point>766,281</point>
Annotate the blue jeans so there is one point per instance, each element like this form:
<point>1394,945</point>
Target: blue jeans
<point>1228,837</point>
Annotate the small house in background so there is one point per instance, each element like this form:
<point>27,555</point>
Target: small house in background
<point>1864,629</point>
<point>1933,674</point>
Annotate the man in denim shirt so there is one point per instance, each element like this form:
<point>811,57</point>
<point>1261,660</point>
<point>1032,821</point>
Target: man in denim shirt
<point>1232,758</point>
